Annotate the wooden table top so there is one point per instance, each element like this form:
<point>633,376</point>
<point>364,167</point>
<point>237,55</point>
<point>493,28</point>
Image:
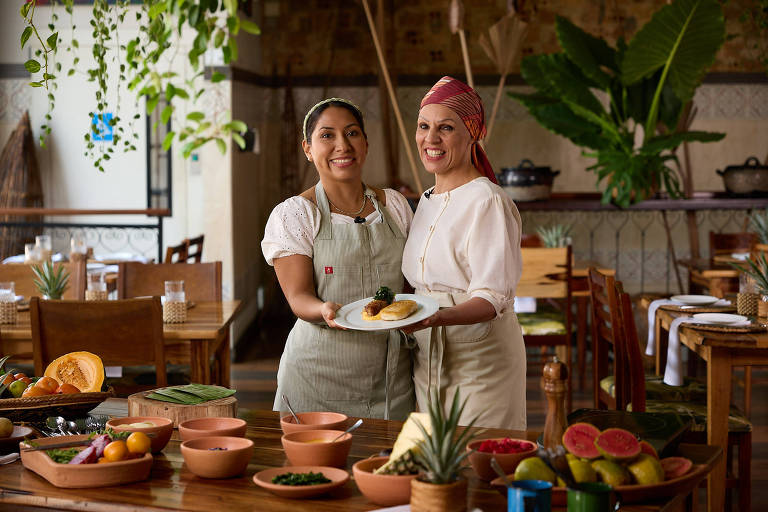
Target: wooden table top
<point>204,321</point>
<point>693,336</point>
<point>709,268</point>
<point>172,487</point>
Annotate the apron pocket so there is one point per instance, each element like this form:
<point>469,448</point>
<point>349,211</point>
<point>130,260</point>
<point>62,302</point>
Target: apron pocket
<point>468,333</point>
<point>344,284</point>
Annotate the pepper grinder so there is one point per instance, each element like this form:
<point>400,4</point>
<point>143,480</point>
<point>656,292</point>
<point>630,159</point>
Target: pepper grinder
<point>554,382</point>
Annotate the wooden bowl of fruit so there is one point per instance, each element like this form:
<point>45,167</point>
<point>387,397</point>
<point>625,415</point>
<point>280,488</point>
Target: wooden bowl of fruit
<point>70,388</point>
<point>507,452</point>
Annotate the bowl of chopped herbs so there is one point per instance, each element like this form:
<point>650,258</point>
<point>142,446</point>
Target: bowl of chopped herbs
<point>301,481</point>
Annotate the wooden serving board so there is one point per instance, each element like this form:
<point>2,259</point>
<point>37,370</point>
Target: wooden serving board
<point>139,405</point>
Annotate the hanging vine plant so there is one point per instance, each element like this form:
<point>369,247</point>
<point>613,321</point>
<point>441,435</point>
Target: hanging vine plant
<point>144,66</point>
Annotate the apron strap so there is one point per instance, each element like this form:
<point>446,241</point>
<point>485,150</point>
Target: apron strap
<point>436,351</point>
<point>384,214</point>
<point>394,341</point>
<point>326,230</point>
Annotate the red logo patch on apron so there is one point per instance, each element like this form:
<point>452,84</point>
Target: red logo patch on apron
<point>329,270</point>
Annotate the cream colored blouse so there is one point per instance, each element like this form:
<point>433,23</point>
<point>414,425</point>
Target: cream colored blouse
<point>294,224</point>
<point>466,240</point>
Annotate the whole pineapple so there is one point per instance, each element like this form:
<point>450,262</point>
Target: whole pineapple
<point>51,282</point>
<point>442,451</point>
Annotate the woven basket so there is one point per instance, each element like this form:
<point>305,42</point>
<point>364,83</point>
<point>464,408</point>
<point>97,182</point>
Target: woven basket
<point>37,408</point>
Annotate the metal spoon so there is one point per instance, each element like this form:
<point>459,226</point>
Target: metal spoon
<point>499,471</point>
<point>61,424</point>
<point>73,428</point>
<point>350,429</point>
<point>288,404</point>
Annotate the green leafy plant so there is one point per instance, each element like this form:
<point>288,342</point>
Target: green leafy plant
<point>759,222</point>
<point>757,270</point>
<point>143,65</point>
<point>555,235</point>
<point>646,83</point>
<point>442,451</point>
<point>50,281</point>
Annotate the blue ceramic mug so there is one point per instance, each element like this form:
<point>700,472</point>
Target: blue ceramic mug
<point>529,496</point>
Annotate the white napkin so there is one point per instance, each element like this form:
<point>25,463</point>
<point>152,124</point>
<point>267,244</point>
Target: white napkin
<point>673,374</point>
<point>650,348</point>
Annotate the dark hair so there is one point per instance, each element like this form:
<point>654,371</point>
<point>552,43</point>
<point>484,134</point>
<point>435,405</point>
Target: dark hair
<point>315,115</point>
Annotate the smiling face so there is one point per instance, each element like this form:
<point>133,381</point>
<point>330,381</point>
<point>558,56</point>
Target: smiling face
<point>338,146</point>
<point>443,140</point>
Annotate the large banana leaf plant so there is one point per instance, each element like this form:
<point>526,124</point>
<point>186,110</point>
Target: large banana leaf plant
<point>645,85</point>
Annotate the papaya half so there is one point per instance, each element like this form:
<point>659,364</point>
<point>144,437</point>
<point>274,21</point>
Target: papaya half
<point>83,370</point>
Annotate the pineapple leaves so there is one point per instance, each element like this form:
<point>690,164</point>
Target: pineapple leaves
<point>51,281</point>
<point>759,222</point>
<point>756,270</point>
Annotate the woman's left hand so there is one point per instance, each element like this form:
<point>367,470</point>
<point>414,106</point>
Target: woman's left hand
<point>430,321</point>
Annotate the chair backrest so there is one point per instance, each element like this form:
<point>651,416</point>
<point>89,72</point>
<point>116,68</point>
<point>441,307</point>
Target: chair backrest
<point>606,338</point>
<point>202,281</point>
<point>532,240</point>
<point>125,332</point>
<point>23,277</point>
<point>727,243</point>
<point>546,273</point>
<point>633,359</point>
<point>176,253</point>
<point>195,249</point>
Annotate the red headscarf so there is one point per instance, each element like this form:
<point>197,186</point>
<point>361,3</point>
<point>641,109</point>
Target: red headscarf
<point>463,100</point>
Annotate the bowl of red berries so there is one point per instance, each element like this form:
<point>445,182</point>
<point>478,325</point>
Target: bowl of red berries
<point>508,453</point>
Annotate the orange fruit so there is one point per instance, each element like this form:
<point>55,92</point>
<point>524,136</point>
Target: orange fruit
<point>115,451</point>
<point>138,442</point>
<point>47,384</point>
<point>102,460</point>
<point>25,380</point>
<point>18,376</point>
<point>66,389</point>
<point>8,379</point>
<point>33,391</point>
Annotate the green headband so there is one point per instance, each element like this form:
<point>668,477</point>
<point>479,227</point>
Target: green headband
<point>320,104</point>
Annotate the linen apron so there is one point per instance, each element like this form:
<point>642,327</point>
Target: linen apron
<point>357,373</point>
<point>486,360</point>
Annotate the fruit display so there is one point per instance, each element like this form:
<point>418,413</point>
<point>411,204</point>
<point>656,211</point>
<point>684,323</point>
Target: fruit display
<point>402,459</point>
<point>104,448</point>
<point>613,456</point>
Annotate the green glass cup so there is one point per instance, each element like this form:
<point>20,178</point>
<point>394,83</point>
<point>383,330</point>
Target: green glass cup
<point>590,497</point>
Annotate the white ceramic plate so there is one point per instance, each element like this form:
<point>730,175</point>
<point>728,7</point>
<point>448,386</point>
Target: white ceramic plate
<point>720,318</point>
<point>350,316</point>
<point>694,300</point>
<point>741,256</point>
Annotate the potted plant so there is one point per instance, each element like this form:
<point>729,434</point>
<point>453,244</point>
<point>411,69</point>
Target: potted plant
<point>647,84</point>
<point>441,453</point>
<point>757,268</point>
<point>556,235</point>
<point>52,283</point>
<point>758,221</point>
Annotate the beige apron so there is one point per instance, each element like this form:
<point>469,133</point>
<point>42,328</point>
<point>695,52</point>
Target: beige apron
<point>487,360</point>
<point>363,374</point>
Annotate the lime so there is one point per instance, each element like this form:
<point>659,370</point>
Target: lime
<point>646,469</point>
<point>533,468</point>
<point>17,387</point>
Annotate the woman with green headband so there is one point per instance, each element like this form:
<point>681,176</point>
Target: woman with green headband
<point>333,244</point>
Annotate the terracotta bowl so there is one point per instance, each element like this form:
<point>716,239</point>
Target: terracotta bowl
<point>162,430</point>
<point>337,477</point>
<point>481,461</point>
<point>211,427</point>
<point>303,449</point>
<point>314,421</point>
<point>207,463</point>
<point>384,490</point>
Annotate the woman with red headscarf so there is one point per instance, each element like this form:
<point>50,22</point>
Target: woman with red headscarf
<point>464,250</point>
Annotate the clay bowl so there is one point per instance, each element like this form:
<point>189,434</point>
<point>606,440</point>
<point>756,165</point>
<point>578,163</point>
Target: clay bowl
<point>162,430</point>
<point>303,449</point>
<point>207,463</point>
<point>481,461</point>
<point>337,477</point>
<point>313,421</point>
<point>211,427</point>
<point>384,490</point>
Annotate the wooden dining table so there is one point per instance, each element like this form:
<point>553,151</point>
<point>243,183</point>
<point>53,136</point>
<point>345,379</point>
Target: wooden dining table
<point>722,352</point>
<point>193,342</point>
<point>172,487</point>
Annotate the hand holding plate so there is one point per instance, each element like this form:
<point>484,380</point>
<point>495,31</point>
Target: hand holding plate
<point>328,310</point>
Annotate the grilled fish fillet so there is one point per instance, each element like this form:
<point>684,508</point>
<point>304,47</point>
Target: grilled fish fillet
<point>398,310</point>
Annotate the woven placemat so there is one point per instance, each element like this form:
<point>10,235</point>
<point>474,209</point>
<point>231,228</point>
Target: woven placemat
<point>734,329</point>
<point>697,309</point>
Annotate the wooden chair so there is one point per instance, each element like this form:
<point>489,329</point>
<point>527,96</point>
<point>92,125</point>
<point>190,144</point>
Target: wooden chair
<point>195,249</point>
<point>202,281</point>
<point>530,241</point>
<point>547,275</point>
<point>609,385</point>
<point>126,332</point>
<point>727,243</point>
<point>739,431</point>
<point>176,253</point>
<point>23,277</point>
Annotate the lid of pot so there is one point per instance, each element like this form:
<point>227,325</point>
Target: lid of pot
<point>527,165</point>
<point>752,163</point>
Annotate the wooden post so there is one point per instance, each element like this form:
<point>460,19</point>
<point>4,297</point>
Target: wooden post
<point>390,142</point>
<point>554,382</point>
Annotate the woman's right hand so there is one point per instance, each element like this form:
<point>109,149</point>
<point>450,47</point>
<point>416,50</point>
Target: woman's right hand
<point>328,310</point>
